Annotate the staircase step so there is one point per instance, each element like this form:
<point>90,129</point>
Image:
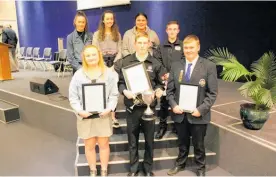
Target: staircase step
<point>119,161</point>
<point>9,112</point>
<point>119,142</point>
<point>123,125</point>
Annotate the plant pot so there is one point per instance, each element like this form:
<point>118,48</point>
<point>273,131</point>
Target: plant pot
<point>253,119</point>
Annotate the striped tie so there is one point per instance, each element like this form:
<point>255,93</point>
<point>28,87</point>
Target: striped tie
<point>188,73</point>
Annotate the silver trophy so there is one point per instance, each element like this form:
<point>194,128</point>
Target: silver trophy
<point>136,102</point>
<point>148,98</point>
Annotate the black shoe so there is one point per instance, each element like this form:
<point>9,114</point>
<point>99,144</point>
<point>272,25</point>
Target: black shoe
<point>200,173</point>
<point>161,132</point>
<point>149,174</point>
<point>132,174</point>
<point>174,129</point>
<point>175,170</point>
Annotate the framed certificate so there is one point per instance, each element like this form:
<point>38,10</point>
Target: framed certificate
<point>188,97</point>
<point>93,96</point>
<point>136,78</point>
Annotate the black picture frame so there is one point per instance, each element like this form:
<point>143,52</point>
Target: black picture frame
<point>93,97</point>
<point>129,81</point>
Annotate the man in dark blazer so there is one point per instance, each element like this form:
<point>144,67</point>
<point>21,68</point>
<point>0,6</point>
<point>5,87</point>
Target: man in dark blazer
<point>134,120</point>
<point>196,70</point>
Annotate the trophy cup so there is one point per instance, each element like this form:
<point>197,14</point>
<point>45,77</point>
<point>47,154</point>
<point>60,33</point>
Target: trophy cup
<point>148,98</point>
<point>136,101</point>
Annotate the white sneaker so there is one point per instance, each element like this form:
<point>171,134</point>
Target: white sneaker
<point>115,123</point>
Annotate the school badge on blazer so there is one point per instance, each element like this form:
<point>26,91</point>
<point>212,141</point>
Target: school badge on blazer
<point>177,48</point>
<point>202,82</point>
<point>150,68</point>
<point>180,76</point>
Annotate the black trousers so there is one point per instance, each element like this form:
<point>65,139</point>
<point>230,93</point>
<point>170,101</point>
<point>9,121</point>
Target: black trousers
<point>74,70</point>
<point>134,125</point>
<point>164,112</point>
<point>198,132</point>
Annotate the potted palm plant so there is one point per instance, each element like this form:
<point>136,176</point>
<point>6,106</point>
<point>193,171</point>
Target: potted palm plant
<point>259,85</point>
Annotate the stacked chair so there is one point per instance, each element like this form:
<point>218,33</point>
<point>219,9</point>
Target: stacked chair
<point>29,59</point>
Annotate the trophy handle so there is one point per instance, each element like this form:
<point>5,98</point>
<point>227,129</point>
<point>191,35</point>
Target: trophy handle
<point>136,101</point>
<point>134,97</point>
<point>131,107</point>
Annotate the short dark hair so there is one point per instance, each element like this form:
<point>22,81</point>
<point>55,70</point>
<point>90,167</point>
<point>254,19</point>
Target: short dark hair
<point>173,22</point>
<point>142,14</point>
<point>1,26</point>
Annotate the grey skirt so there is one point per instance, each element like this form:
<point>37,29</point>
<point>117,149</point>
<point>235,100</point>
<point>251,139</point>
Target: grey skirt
<point>98,127</point>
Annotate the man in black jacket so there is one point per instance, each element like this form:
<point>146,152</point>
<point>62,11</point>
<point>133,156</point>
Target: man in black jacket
<point>167,53</point>
<point>134,116</point>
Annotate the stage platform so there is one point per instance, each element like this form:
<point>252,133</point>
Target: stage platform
<point>232,143</point>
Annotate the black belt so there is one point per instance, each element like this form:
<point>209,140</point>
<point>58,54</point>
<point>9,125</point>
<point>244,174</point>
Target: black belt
<point>109,60</point>
<point>93,116</point>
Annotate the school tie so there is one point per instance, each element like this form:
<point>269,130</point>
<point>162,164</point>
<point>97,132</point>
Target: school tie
<point>188,73</point>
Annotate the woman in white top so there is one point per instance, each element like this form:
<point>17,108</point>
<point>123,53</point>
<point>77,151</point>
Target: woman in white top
<point>108,39</point>
<point>96,128</point>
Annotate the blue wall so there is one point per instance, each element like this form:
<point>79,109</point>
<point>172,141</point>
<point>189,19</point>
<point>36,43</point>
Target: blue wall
<point>246,28</point>
<point>40,23</point>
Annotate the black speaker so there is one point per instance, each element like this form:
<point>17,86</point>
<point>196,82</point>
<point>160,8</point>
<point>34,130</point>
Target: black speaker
<point>43,86</point>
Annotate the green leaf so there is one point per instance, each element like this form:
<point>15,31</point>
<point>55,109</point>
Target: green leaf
<point>263,89</point>
<point>232,68</point>
<point>218,54</point>
<point>273,93</point>
<point>265,69</point>
<point>264,97</point>
<point>251,88</point>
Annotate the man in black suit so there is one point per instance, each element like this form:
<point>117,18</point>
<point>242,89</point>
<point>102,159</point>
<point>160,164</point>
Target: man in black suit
<point>135,123</point>
<point>193,69</point>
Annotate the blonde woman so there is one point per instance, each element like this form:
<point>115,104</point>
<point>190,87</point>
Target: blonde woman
<point>96,130</point>
<point>108,39</point>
